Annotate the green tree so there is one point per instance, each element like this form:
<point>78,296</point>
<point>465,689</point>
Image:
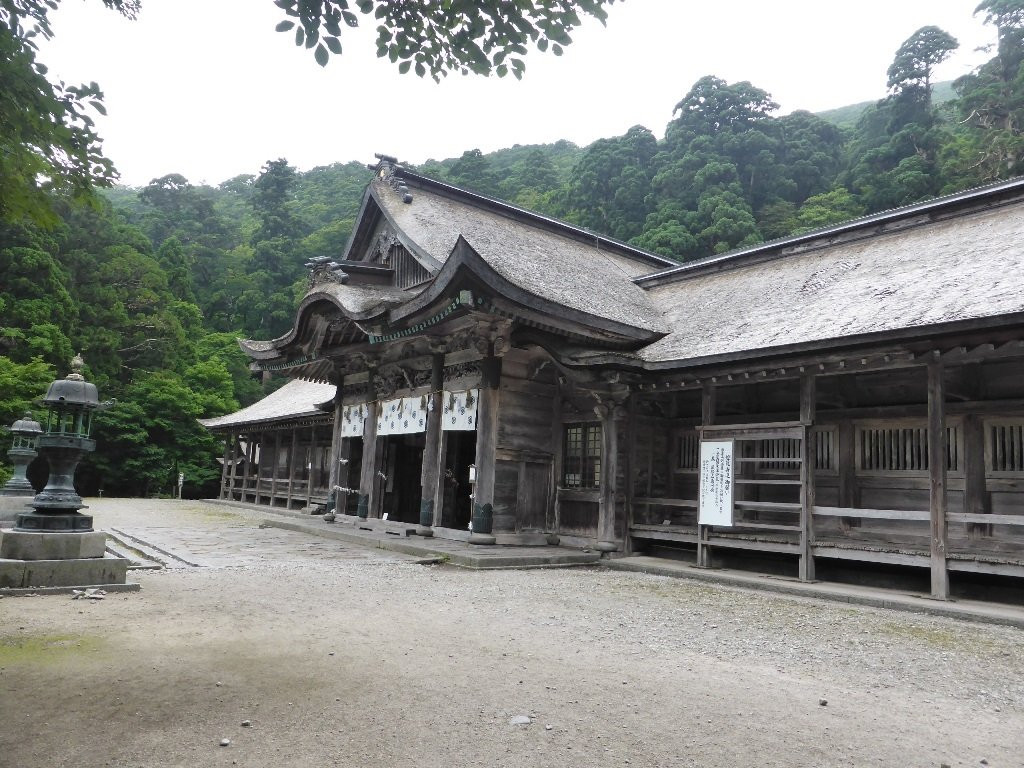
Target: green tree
<point>991,102</point>
<point>435,38</point>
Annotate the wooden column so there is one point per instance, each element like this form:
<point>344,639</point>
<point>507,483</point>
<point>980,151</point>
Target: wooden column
<point>309,465</point>
<point>372,454</point>
<point>486,441</point>
<point>250,453</point>
<point>707,418</point>
<point>293,452</point>
<point>333,478</point>
<point>631,461</point>
<point>937,478</point>
<point>847,467</point>
<point>807,414</point>
<point>610,413</point>
<point>277,464</point>
<point>976,499</point>
<point>224,468</point>
<point>430,470</point>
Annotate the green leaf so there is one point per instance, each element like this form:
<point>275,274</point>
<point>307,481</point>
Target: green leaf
<point>321,55</point>
<point>404,67</point>
<point>299,36</point>
<point>420,70</point>
<point>334,44</point>
<point>284,26</point>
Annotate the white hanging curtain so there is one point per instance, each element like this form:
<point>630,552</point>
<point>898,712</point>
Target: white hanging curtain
<point>352,418</point>
<point>402,416</point>
<point>460,410</point>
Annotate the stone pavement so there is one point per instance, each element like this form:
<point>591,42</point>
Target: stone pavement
<point>393,538</point>
<point>186,534</point>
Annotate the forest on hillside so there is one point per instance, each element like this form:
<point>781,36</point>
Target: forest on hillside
<point>155,284</point>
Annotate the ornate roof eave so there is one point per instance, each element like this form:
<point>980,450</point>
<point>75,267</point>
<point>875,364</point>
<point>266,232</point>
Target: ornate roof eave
<point>466,268</point>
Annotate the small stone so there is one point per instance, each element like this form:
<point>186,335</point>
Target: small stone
<point>548,727</point>
<point>822,702</point>
<point>983,761</point>
<point>246,723</point>
<point>520,720</point>
<point>225,742</point>
<point>331,653</point>
<point>219,683</point>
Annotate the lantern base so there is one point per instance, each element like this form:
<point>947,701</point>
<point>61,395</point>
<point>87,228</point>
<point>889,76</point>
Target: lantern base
<point>22,545</point>
<point>53,522</point>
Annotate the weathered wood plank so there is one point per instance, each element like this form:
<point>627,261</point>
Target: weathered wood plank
<point>881,514</point>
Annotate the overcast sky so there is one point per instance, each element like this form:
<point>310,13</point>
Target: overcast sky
<point>208,89</point>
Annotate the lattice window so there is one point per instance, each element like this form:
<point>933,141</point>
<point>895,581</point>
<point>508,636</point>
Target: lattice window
<point>780,453</point>
<point>902,448</point>
<point>1004,447</point>
<point>582,459</point>
<point>689,451</point>
<point>826,447</point>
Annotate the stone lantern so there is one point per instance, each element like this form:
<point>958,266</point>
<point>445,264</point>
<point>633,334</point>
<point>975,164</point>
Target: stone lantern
<point>54,544</point>
<point>70,403</point>
<point>25,432</point>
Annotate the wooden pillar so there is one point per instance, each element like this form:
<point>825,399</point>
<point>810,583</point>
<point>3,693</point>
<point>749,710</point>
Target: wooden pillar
<point>277,464</point>
<point>486,441</point>
<point>224,468</point>
<point>847,457</point>
<point>293,453</point>
<point>311,454</point>
<point>631,461</point>
<point>250,453</point>
<point>976,499</point>
<point>611,414</point>
<point>807,414</point>
<point>430,470</point>
<point>334,475</point>
<point>937,452</point>
<point>372,454</point>
<point>259,466</point>
<point>707,418</point>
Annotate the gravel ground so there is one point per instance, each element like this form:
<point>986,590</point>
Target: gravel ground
<point>343,660</point>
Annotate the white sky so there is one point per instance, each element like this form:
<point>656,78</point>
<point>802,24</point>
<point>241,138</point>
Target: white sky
<point>208,89</point>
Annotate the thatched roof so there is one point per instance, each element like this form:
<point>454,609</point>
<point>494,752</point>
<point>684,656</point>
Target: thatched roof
<point>296,399</point>
<point>928,270</point>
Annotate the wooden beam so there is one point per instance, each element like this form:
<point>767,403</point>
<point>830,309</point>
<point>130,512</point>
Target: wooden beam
<point>937,478</point>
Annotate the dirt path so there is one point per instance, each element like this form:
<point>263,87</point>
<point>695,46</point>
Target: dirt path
<point>348,658</point>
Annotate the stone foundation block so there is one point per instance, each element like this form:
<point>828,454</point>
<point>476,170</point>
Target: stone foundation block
<point>89,572</point>
<point>26,545</point>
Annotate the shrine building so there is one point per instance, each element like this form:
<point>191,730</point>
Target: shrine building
<point>851,397</point>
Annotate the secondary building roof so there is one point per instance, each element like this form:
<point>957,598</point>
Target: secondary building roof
<point>949,260</point>
<point>296,399</point>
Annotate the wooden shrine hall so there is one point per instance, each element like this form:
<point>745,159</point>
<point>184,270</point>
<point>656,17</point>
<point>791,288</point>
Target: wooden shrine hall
<point>847,399</point>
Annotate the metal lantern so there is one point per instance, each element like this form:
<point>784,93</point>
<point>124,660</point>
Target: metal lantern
<point>25,432</point>
<point>70,403</point>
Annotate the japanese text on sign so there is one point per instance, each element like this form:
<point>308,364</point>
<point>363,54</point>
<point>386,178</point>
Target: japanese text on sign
<point>716,482</point>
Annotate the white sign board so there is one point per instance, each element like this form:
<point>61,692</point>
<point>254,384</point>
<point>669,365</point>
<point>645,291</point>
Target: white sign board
<point>716,482</point>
